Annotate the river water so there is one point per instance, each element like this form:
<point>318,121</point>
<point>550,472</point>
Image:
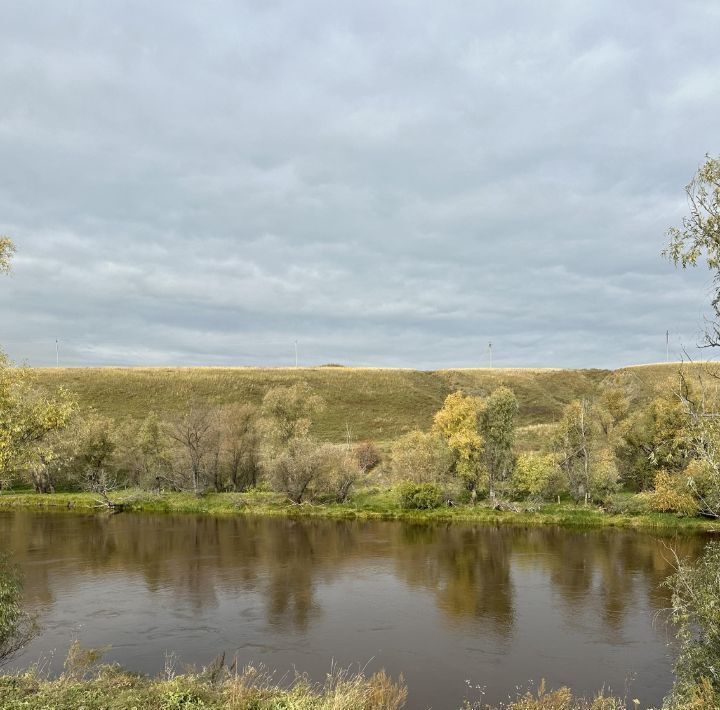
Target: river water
<point>461,611</point>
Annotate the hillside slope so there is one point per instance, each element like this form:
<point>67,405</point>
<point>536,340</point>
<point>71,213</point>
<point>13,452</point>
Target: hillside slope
<point>378,404</point>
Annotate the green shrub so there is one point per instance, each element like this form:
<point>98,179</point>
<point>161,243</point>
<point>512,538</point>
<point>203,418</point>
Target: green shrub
<point>702,483</point>
<point>623,504</point>
<point>420,496</point>
<point>16,626</point>
<point>695,602</point>
<point>535,475</point>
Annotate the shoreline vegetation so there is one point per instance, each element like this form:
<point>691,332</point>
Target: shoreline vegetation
<point>85,684</point>
<point>365,505</point>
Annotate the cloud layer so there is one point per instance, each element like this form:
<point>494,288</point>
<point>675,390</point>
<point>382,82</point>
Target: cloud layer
<point>389,183</point>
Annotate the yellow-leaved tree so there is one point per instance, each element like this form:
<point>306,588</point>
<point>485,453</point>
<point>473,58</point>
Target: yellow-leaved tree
<point>457,423</point>
<point>7,249</point>
<point>29,417</point>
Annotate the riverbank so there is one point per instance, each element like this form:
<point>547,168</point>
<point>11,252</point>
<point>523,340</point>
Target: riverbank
<point>373,504</point>
<point>110,687</point>
<point>249,689</point>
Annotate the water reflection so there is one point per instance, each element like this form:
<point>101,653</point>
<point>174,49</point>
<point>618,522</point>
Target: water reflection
<point>409,594</point>
<point>467,568</point>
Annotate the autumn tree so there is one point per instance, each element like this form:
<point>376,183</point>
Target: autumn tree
<point>287,412</point>
<point>653,438</point>
<point>341,471</point>
<point>497,426</point>
<point>297,467</point>
<point>294,460</point>
<point>196,438</point>
<point>457,424</point>
<point>574,440</point>
<point>421,457</point>
<point>698,238</point>
<point>7,250</point>
<point>535,475</point>
<point>30,417</point>
<point>29,420</point>
<point>699,233</point>
<point>94,449</point>
<point>143,452</point>
<point>240,441</point>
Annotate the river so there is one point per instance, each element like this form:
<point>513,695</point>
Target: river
<point>462,611</point>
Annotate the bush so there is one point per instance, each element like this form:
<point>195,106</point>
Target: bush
<point>695,603</point>
<point>604,475</point>
<point>703,483</point>
<point>367,455</point>
<point>297,470</point>
<point>671,495</point>
<point>624,504</point>
<point>340,472</point>
<point>420,496</point>
<point>16,627</point>
<point>536,475</point>
<point>421,457</point>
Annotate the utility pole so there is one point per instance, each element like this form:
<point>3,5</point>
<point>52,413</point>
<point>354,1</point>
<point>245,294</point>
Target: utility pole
<point>57,353</point>
<point>490,349</point>
<point>296,354</point>
<point>667,346</point>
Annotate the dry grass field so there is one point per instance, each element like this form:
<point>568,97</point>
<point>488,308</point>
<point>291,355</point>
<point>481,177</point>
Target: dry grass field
<point>378,404</point>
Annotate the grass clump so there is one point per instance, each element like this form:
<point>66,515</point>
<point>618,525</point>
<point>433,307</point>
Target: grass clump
<point>109,687</point>
<point>563,699</point>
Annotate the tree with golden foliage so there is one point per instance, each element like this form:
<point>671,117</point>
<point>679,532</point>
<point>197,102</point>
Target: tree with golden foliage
<point>7,250</point>
<point>457,424</point>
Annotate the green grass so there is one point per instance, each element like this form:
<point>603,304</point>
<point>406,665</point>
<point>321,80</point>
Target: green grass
<point>379,504</point>
<point>112,688</point>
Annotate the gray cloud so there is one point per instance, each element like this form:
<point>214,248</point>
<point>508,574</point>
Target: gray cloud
<point>390,183</point>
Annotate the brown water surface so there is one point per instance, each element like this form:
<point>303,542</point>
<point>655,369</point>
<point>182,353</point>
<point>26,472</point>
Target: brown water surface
<point>457,609</point>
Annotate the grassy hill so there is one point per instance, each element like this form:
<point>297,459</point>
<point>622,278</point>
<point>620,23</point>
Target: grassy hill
<point>378,404</point>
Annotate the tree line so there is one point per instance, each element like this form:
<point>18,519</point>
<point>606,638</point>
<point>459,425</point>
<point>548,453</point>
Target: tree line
<point>666,449</point>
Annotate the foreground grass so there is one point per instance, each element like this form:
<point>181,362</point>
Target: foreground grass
<point>377,504</point>
<point>112,688</point>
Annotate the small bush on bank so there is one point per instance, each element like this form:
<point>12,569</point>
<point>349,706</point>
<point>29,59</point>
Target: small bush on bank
<point>536,476</point>
<point>623,504</point>
<point>420,496</point>
<point>671,495</point>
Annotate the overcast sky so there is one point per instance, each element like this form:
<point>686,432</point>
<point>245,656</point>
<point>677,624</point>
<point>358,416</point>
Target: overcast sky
<point>389,183</point>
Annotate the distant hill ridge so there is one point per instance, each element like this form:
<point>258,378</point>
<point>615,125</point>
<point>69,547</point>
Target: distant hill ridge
<point>376,403</point>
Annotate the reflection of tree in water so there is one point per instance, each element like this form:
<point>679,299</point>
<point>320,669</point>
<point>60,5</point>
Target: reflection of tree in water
<point>467,568</point>
<point>193,557</point>
<point>603,569</point>
<point>290,589</point>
